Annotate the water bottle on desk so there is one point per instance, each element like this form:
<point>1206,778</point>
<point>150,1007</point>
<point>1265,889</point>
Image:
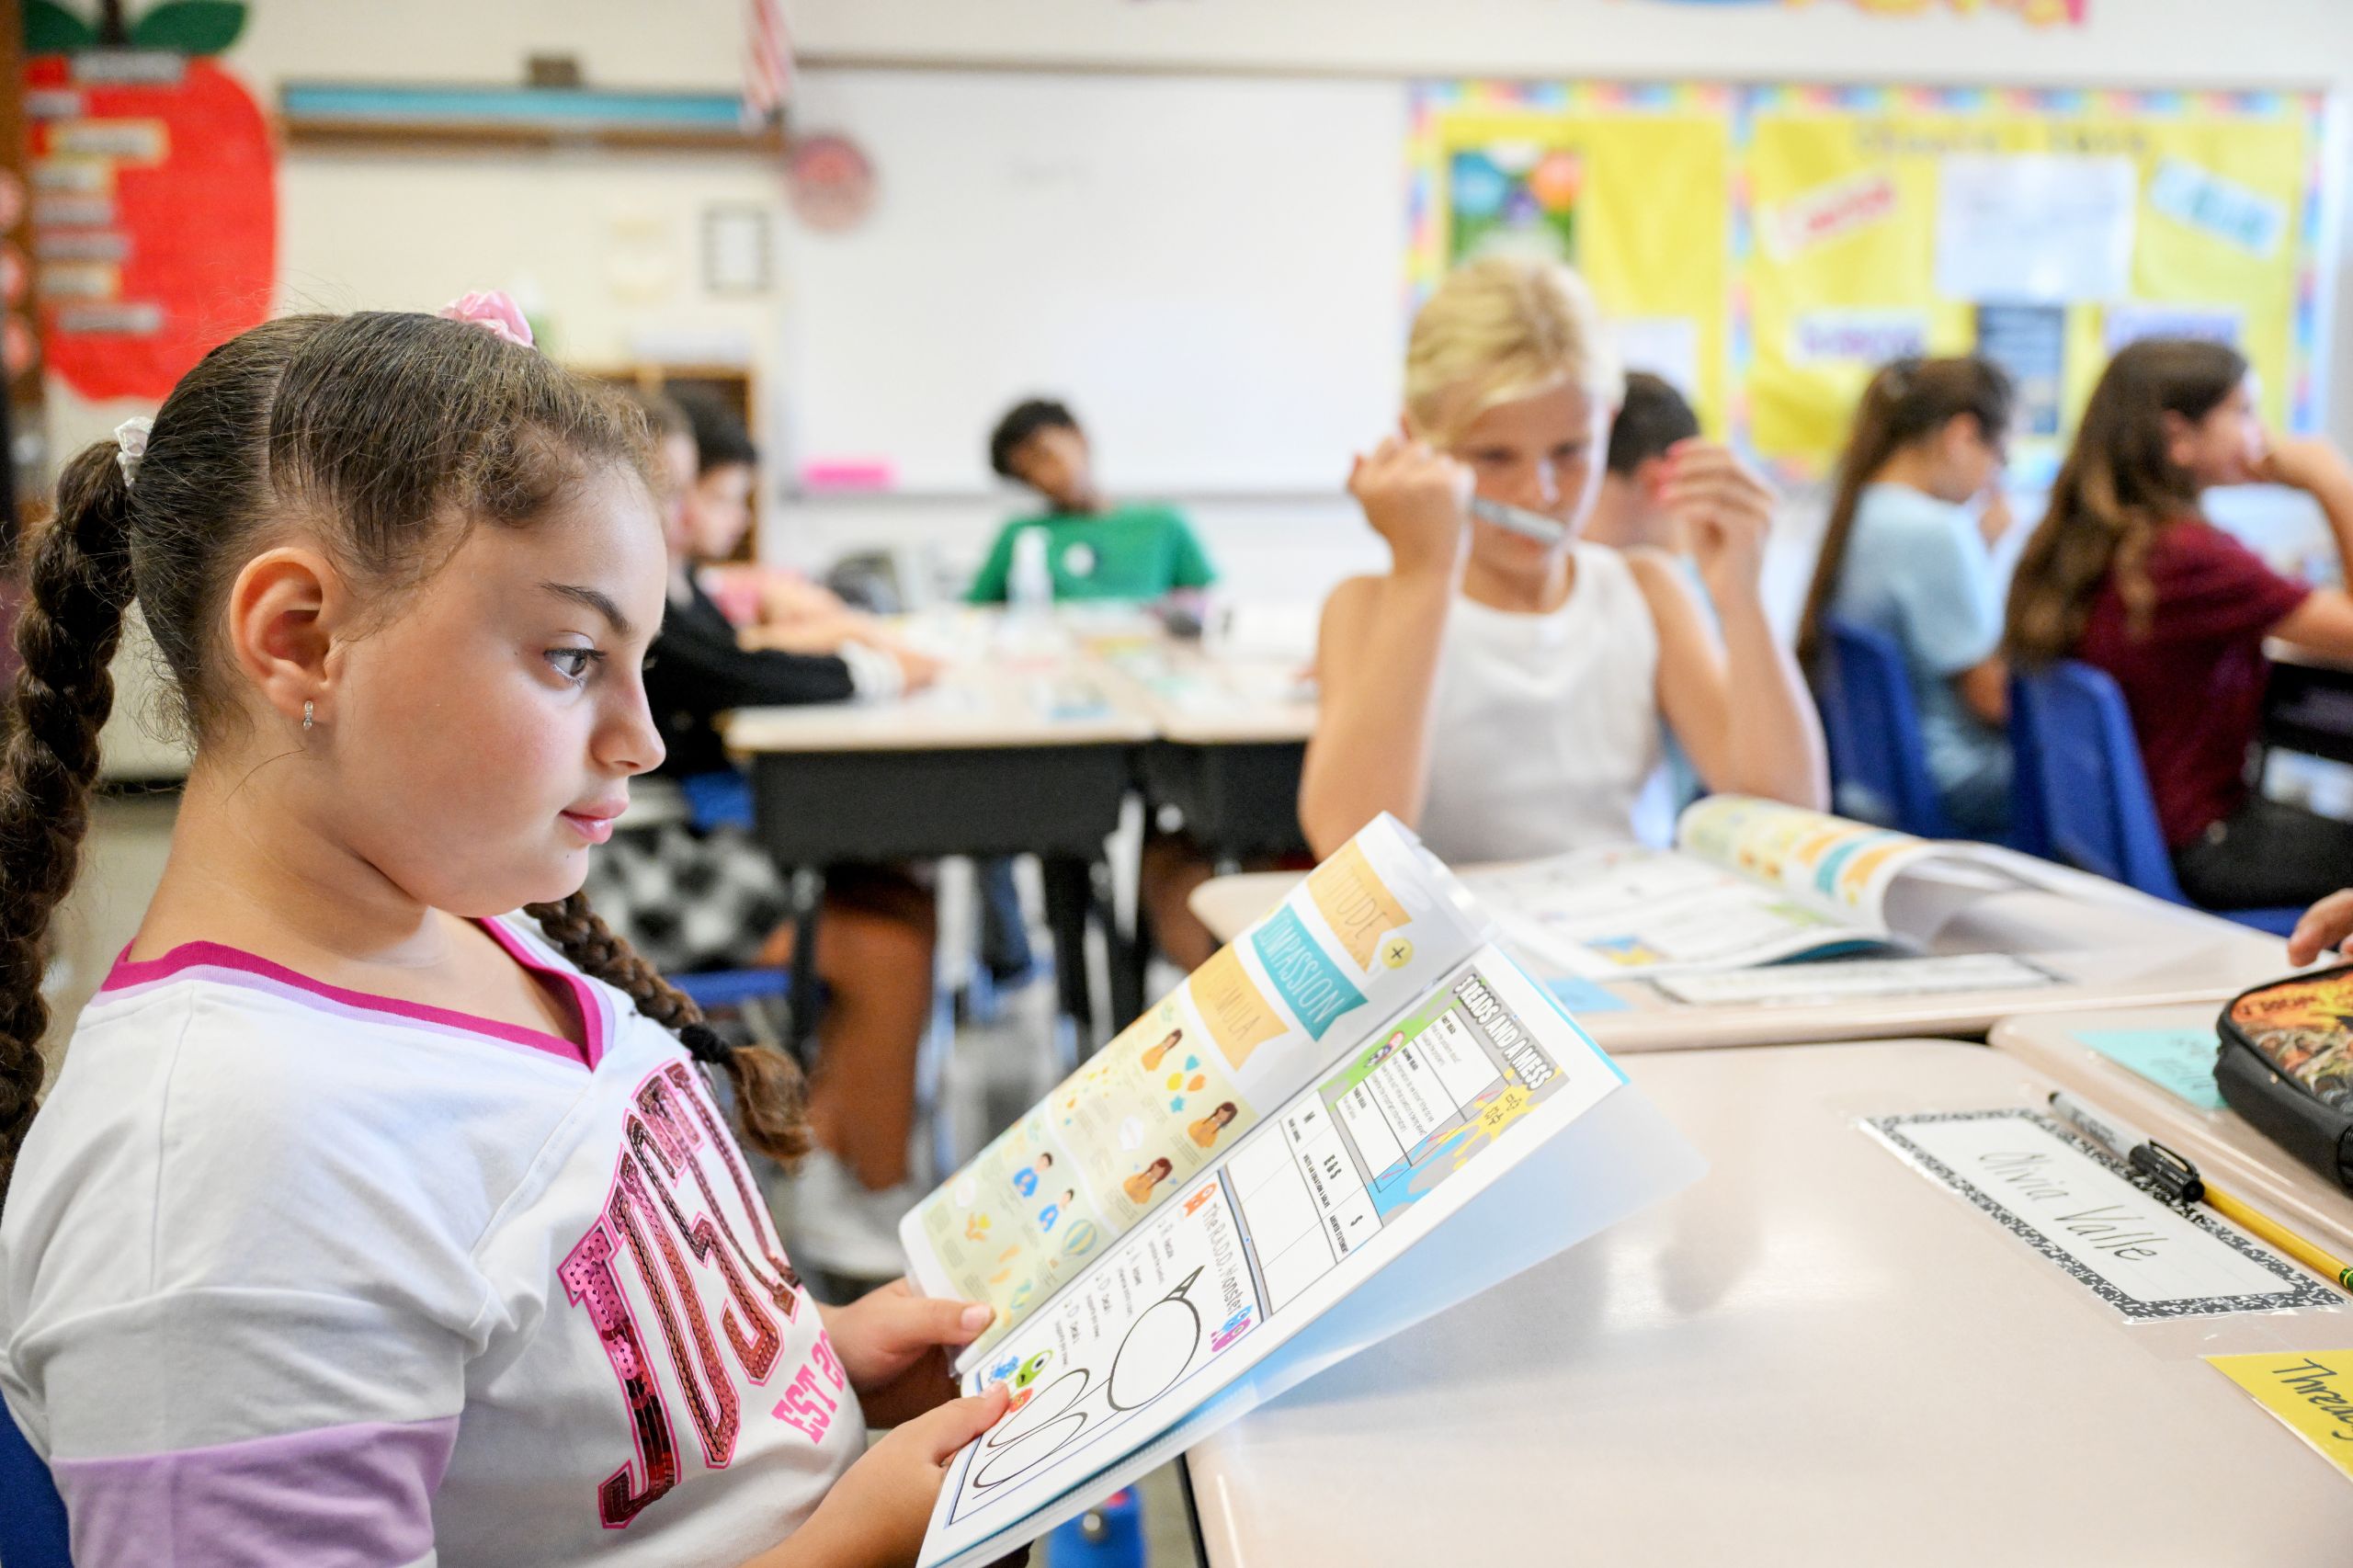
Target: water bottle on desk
<point>1029,585</point>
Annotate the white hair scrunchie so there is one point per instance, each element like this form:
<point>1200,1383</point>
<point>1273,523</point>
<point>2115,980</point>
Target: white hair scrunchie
<point>130,443</point>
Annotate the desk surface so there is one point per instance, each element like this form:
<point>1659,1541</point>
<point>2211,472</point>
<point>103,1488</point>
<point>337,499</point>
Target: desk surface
<point>1196,698</point>
<point>1088,681</point>
<point>2243,1161</point>
<point>2113,948</point>
<point>1813,1356</point>
<point>1047,702</point>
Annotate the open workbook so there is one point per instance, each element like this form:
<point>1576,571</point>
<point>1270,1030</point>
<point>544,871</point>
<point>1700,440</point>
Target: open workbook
<point>1210,1208</point>
<point>1748,882</point>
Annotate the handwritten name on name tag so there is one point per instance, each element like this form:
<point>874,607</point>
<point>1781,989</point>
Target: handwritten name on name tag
<point>2082,1212</point>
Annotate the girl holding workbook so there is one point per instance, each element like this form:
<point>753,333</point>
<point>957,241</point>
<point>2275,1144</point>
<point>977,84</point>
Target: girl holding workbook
<point>1506,688</point>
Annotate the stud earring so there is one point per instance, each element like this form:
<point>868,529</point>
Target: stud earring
<point>306,713</point>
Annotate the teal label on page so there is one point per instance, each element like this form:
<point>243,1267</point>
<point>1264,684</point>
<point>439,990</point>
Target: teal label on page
<point>1315,989</point>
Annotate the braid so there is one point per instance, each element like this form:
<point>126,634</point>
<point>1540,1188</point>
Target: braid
<point>79,581</point>
<point>771,1096</point>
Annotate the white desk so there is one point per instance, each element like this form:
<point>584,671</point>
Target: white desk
<point>1813,1357</point>
<point>2245,1162</point>
<point>2111,947</point>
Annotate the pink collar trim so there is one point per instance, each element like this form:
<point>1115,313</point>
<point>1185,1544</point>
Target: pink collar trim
<point>235,966</point>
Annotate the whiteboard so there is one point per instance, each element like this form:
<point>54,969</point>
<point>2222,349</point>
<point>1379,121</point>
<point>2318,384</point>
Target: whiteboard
<point>1209,270</point>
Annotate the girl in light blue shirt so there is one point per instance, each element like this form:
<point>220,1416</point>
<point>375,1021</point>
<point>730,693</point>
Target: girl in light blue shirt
<point>1908,552</point>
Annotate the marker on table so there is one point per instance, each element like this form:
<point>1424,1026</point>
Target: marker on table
<point>2179,1180</point>
<point>1517,519</point>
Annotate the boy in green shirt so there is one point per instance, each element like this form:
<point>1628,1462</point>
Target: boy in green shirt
<point>1094,551</point>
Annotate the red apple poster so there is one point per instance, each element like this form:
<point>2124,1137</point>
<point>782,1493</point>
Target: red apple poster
<point>154,193</point>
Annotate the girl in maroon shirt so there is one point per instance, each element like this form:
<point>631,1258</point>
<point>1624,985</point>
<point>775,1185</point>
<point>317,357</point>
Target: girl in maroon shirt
<point>2127,574</point>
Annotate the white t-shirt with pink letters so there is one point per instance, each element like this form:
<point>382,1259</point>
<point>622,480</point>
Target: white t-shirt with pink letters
<point>294,1273</point>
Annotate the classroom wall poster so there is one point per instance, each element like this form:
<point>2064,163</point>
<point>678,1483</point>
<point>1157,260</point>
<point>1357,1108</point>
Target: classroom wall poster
<point>2044,228</point>
<point>155,194</point>
<point>1574,171</point>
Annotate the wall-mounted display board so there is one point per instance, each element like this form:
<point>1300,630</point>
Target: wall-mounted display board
<point>2042,228</point>
<point>1627,183</point>
<point>1766,247</point>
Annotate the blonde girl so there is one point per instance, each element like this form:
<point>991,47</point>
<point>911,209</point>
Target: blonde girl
<point>1509,696</point>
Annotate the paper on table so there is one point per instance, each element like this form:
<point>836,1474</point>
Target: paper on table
<point>2310,1392</point>
<point>2078,1209</point>
<point>1307,1210</point>
<point>2036,228</point>
<point>1622,912</point>
<point>2178,1061</point>
<point>1822,985</point>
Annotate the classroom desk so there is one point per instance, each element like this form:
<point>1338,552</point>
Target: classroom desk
<point>1812,1356</point>
<point>2112,947</point>
<point>2308,706</point>
<point>1229,735</point>
<point>2245,1162</point>
<point>1002,758</point>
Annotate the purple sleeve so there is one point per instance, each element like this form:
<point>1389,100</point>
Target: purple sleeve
<point>357,1496</point>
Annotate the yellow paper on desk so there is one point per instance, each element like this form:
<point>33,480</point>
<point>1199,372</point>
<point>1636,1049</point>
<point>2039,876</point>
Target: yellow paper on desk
<point>2312,1390</point>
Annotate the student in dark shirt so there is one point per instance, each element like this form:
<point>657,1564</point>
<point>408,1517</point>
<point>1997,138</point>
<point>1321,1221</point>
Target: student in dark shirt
<point>2126,573</point>
<point>874,949</point>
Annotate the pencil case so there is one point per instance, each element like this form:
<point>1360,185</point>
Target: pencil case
<point>2286,1064</point>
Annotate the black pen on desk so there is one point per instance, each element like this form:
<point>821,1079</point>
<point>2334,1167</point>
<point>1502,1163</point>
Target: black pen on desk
<point>2179,1180</point>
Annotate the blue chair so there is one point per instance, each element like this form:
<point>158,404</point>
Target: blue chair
<point>1877,760</point>
<point>2082,796</point>
<point>32,1516</point>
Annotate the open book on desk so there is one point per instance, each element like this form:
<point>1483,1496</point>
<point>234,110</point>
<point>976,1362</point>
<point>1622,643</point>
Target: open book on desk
<point>1358,1112</point>
<point>1748,882</point>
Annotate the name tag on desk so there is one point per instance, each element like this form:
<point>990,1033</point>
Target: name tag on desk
<point>2081,1211</point>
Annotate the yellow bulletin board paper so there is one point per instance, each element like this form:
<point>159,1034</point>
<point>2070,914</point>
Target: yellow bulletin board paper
<point>2311,1391</point>
<point>1766,247</point>
<point>1628,183</point>
<point>1849,200</point>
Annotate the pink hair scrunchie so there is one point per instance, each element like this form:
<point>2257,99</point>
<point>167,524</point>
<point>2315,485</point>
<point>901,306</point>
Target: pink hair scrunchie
<point>491,309</point>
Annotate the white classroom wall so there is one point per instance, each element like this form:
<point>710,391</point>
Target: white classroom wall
<point>607,243</point>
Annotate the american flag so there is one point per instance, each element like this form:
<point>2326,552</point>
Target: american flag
<point>767,61</point>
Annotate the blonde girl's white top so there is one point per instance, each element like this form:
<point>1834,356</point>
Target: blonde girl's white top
<point>1547,734</point>
<point>295,1274</point>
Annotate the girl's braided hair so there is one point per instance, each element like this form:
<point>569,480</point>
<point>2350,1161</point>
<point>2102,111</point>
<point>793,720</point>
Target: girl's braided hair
<point>383,435</point>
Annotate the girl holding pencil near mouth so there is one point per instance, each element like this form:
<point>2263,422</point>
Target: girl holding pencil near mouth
<point>1506,689</point>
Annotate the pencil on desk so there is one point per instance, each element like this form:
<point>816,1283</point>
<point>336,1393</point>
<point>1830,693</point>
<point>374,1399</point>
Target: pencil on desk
<point>2173,1175</point>
<point>2279,1236</point>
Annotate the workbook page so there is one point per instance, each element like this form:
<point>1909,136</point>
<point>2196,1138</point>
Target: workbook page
<point>1630,913</point>
<point>1372,928</point>
<point>1307,1207</point>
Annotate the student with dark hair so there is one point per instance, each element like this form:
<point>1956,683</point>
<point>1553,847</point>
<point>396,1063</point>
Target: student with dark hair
<point>1907,551</point>
<point>1628,508</point>
<point>708,896</point>
<point>2126,573</point>
<point>1094,549</point>
<point>340,1236</point>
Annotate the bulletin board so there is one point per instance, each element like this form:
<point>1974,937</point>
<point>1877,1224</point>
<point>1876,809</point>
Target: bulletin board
<point>1842,227</point>
<point>1599,175</point>
<point>2042,228</point>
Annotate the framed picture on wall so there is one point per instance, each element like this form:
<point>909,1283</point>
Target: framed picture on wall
<point>736,249</point>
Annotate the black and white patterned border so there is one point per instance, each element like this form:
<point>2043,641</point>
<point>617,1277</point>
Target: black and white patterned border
<point>2300,1289</point>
